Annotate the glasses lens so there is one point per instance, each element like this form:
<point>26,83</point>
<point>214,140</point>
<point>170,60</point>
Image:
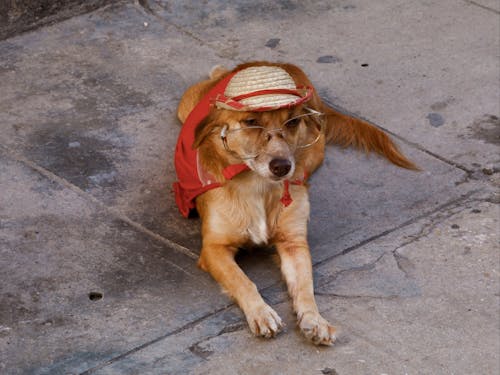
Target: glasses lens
<point>244,142</point>
<point>303,130</point>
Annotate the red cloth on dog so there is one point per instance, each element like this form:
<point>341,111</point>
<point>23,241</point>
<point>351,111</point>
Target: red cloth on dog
<point>190,184</point>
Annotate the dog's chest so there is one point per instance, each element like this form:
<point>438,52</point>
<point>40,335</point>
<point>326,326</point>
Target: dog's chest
<point>262,210</point>
<point>258,229</point>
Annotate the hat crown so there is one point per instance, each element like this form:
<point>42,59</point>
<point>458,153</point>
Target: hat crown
<point>258,78</point>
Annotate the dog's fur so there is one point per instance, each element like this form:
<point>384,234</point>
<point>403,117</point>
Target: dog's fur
<point>247,209</point>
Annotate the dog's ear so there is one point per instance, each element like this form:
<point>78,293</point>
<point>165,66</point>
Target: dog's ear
<point>206,128</point>
<point>206,140</point>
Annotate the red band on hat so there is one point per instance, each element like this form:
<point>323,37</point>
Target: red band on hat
<point>266,92</point>
<point>235,103</point>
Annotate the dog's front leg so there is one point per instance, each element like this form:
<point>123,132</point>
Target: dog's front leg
<point>296,267</point>
<point>297,270</point>
<point>219,261</point>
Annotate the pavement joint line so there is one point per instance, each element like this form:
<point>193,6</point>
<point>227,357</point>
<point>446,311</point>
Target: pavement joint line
<point>154,341</point>
<point>114,212</point>
<point>482,6</point>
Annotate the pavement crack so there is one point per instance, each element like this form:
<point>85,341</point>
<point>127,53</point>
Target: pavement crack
<point>403,263</point>
<point>199,351</point>
<point>198,348</point>
<point>365,267</point>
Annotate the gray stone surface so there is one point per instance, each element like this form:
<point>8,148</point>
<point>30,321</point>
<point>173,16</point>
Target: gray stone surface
<point>405,263</point>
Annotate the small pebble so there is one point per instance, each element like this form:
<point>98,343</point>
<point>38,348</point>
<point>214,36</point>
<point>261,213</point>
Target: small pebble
<point>455,226</point>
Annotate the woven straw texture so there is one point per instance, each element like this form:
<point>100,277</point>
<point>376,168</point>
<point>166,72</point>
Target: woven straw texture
<point>261,78</point>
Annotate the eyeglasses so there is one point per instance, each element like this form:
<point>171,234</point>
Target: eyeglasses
<point>299,132</point>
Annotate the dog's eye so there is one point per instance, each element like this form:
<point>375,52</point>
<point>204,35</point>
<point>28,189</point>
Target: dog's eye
<point>293,122</point>
<point>251,122</point>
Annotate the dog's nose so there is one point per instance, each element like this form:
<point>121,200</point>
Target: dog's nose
<point>280,167</point>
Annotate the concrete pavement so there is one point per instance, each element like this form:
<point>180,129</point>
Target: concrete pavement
<point>99,268</point>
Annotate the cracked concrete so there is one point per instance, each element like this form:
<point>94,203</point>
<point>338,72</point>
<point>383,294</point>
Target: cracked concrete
<point>100,274</point>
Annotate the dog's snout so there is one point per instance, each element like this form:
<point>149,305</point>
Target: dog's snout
<point>280,167</point>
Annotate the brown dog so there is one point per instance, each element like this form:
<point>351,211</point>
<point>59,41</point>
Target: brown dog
<point>250,139</point>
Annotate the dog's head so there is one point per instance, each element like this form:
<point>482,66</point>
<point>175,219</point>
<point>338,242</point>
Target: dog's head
<point>268,142</point>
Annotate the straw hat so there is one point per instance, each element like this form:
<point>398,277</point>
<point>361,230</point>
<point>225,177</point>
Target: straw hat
<point>262,88</point>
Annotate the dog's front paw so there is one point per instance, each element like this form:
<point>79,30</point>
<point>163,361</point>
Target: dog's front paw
<point>264,321</point>
<point>316,328</point>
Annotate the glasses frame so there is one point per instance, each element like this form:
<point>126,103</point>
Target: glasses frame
<point>225,131</point>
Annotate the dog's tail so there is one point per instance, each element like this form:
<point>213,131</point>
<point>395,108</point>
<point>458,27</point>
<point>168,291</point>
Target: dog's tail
<point>345,130</point>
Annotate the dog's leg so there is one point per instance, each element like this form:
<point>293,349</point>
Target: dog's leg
<point>296,267</point>
<point>219,261</point>
<point>297,271</point>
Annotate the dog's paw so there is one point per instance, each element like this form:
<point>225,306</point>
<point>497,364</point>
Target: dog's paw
<point>264,321</point>
<point>316,328</point>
